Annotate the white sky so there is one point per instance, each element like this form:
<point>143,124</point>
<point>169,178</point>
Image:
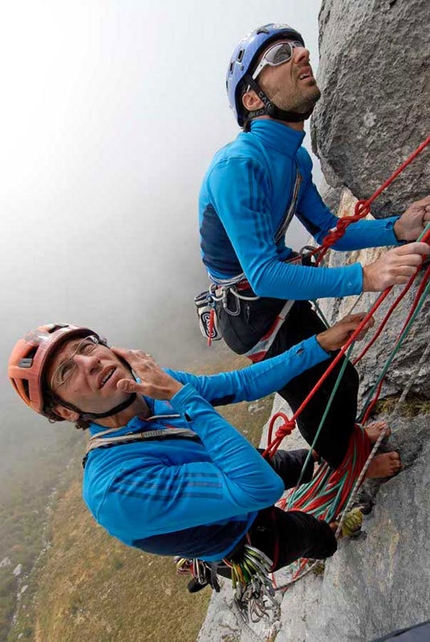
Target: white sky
<point>111,111</point>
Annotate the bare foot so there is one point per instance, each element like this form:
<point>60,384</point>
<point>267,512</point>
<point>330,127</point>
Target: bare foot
<point>374,429</point>
<point>385,465</point>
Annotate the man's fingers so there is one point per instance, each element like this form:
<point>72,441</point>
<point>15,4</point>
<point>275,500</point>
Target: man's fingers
<point>132,356</point>
<point>414,248</point>
<point>125,353</point>
<point>128,385</point>
<point>423,202</point>
<point>354,320</point>
<point>118,350</point>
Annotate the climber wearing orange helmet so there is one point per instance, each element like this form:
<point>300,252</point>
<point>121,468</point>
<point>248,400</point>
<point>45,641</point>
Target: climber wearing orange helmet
<point>31,359</point>
<point>164,471</point>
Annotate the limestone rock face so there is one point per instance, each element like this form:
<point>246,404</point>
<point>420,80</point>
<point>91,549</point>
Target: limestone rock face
<point>374,75</point>
<point>380,582</point>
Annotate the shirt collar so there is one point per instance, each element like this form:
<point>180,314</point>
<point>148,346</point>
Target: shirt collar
<point>277,135</point>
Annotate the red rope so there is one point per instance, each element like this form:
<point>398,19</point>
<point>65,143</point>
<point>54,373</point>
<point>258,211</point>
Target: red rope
<point>394,306</point>
<point>211,326</point>
<point>362,208</point>
<point>283,430</point>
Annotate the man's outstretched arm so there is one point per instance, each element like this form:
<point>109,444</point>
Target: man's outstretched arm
<point>246,214</point>
<point>263,378</point>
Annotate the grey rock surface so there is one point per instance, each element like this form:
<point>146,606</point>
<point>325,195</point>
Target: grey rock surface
<point>374,75</point>
<point>381,582</point>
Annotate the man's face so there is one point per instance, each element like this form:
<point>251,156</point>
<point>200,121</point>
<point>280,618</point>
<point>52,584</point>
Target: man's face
<point>85,374</point>
<point>291,85</point>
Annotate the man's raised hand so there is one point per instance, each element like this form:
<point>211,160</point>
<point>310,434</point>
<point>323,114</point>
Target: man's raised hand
<point>413,221</point>
<point>395,267</point>
<point>336,336</point>
<point>155,382</point>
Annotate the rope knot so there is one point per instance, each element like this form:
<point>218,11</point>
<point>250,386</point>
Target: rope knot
<point>286,428</point>
<point>336,233</point>
<point>362,209</point>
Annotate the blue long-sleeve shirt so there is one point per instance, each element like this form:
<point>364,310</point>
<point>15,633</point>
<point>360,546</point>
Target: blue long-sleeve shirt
<point>243,201</point>
<point>181,497</point>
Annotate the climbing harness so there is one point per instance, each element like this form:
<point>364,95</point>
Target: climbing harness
<point>203,573</point>
<point>227,294</point>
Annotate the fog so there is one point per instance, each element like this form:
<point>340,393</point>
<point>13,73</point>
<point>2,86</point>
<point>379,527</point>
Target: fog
<point>111,111</point>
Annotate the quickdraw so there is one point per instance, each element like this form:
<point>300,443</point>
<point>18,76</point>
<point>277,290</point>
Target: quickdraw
<point>253,590</point>
<point>254,593</point>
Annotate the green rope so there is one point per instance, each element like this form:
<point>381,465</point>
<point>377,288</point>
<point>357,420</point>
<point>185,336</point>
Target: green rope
<point>396,348</point>
<point>320,313</point>
<point>324,417</point>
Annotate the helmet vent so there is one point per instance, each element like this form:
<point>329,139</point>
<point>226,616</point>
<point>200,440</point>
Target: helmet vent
<point>26,388</point>
<point>27,362</point>
<point>240,55</point>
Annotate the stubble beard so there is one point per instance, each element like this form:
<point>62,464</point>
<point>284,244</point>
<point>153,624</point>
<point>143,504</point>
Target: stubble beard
<point>299,103</point>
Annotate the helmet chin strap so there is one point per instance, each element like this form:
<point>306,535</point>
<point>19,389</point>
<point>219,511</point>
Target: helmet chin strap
<point>89,416</point>
<point>272,110</point>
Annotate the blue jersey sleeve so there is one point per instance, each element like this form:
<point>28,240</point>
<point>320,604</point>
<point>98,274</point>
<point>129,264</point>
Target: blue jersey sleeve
<point>159,496</point>
<point>257,380</point>
<point>240,191</point>
<point>318,220</point>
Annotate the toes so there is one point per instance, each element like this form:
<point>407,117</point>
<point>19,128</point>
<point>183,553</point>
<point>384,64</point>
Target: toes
<point>377,427</point>
<point>382,425</point>
<point>394,456</point>
<point>395,462</point>
<point>385,465</point>
<point>377,424</point>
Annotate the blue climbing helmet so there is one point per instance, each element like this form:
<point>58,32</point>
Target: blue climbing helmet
<point>245,57</point>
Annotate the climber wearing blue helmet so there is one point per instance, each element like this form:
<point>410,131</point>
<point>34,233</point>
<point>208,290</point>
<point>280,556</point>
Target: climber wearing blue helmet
<point>250,194</point>
<point>243,71</point>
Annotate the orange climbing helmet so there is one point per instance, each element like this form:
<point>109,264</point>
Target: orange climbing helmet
<point>30,357</point>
